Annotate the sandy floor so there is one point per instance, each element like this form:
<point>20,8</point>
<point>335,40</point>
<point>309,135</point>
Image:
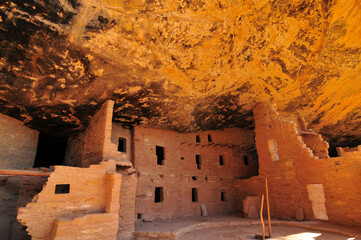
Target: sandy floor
<point>245,232</point>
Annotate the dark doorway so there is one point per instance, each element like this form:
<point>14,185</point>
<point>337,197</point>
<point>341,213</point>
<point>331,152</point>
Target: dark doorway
<point>223,196</point>
<point>122,145</point>
<point>159,151</point>
<point>158,194</point>
<point>198,161</point>
<point>198,138</point>
<point>194,195</point>
<point>221,162</point>
<point>50,151</point>
<point>245,159</point>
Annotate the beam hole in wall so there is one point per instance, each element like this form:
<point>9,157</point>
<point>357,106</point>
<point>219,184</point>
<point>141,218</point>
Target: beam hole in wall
<point>50,151</point>
<point>198,138</point>
<point>182,158</point>
<point>160,155</point>
<point>245,159</point>
<point>122,145</point>
<point>194,195</point>
<point>223,196</point>
<point>206,178</point>
<point>62,188</point>
<point>198,161</point>
<point>194,178</point>
<point>158,194</point>
<point>221,161</point>
<point>209,138</point>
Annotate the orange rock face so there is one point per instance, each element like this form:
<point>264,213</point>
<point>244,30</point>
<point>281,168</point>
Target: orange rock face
<point>182,65</point>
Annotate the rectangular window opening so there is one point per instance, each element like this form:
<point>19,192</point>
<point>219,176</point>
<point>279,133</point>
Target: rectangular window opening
<point>194,178</point>
<point>139,216</point>
<point>194,195</point>
<point>221,161</point>
<point>223,196</point>
<point>160,155</point>
<point>245,159</point>
<point>62,188</point>
<point>198,138</point>
<point>209,138</point>
<point>158,194</point>
<point>122,145</point>
<point>198,161</point>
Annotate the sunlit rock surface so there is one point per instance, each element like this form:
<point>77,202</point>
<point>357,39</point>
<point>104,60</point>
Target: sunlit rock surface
<point>182,65</point>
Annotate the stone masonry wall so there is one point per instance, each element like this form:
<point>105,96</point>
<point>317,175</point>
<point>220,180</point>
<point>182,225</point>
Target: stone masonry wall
<point>291,166</point>
<point>87,209</point>
<point>18,144</point>
<point>15,192</point>
<point>179,174</point>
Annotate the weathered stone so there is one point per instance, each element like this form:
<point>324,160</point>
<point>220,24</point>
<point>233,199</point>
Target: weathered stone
<point>299,214</point>
<point>252,212</point>
<point>204,211</point>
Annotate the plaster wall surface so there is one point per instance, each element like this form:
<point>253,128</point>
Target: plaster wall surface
<point>18,144</point>
<point>299,166</point>
<point>179,174</point>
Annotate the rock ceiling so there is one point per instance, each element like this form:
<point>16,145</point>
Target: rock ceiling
<point>182,64</point>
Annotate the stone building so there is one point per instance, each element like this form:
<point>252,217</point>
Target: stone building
<point>115,177</point>
<point>119,114</point>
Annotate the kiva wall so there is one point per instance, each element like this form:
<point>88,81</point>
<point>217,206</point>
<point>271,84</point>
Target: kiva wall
<point>300,173</point>
<point>18,144</point>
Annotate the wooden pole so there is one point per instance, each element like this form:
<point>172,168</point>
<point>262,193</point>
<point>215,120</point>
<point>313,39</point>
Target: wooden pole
<point>268,210</point>
<point>14,172</point>
<point>262,222</point>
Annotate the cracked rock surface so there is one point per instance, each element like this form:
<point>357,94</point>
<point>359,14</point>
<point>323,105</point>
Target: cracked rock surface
<point>182,65</point>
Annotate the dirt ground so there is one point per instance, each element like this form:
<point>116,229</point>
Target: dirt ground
<point>245,233</point>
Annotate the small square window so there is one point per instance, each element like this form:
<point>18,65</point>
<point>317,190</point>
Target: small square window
<point>122,145</point>
<point>62,188</point>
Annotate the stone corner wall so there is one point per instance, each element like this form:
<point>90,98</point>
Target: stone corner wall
<point>298,168</point>
<point>92,194</point>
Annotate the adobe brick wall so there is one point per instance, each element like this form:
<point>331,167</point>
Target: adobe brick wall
<point>127,205</point>
<point>298,166</point>
<point>99,142</point>
<point>18,144</point>
<point>75,150</point>
<point>93,195</point>
<point>175,176</point>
